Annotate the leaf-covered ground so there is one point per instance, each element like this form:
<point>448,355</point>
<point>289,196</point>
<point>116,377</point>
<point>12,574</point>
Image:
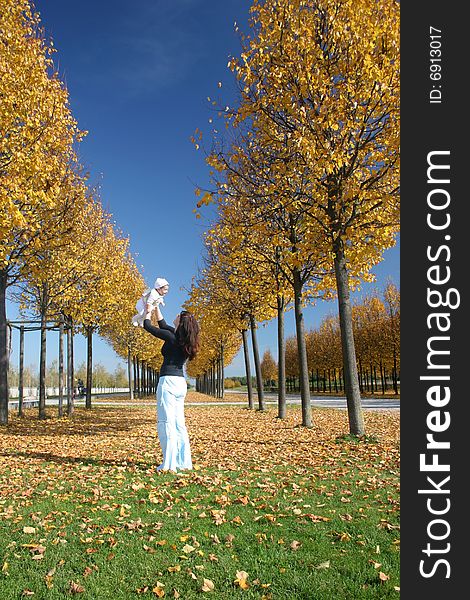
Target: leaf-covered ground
<point>271,510</point>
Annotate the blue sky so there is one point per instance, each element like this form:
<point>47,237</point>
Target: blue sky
<point>139,74</point>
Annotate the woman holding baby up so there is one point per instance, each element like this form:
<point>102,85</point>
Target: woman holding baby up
<point>181,343</point>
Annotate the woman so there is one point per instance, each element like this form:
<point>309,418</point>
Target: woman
<point>181,343</point>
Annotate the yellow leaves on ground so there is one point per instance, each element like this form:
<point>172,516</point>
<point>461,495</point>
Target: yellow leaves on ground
<point>251,438</point>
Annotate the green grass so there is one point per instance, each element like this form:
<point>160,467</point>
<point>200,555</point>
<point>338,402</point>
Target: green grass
<point>100,527</point>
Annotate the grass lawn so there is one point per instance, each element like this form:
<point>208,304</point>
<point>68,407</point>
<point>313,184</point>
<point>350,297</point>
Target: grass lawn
<point>271,510</point>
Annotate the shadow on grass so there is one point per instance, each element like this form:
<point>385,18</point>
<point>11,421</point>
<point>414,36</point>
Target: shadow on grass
<point>83,461</point>
<point>81,423</point>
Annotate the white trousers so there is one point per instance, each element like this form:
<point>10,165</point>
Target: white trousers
<point>171,427</point>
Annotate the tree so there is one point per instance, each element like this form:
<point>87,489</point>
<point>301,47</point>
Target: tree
<point>322,77</point>
<point>392,306</point>
<point>37,133</point>
<point>269,367</point>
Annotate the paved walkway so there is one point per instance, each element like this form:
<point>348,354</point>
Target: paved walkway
<point>270,399</point>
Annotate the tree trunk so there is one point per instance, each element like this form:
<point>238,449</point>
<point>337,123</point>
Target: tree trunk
<point>142,379</point>
<point>129,374</point>
<point>134,368</point>
<point>60,409</point>
<point>4,390</point>
<point>70,393</point>
<point>72,362</point>
<point>351,380</point>
<point>247,369</point>
<point>21,374</point>
<point>259,376</point>
<point>302,352</point>
<point>89,366</point>
<point>395,375</point>
<point>222,370</point>
<point>213,379</point>
<point>281,365</point>
<point>382,381</point>
<point>42,358</point>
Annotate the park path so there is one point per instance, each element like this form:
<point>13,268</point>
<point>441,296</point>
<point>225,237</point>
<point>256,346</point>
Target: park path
<point>338,402</point>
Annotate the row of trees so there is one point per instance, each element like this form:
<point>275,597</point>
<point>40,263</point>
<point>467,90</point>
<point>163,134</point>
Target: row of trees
<point>376,325</point>
<point>305,180</point>
<point>62,257</point>
<point>102,377</point>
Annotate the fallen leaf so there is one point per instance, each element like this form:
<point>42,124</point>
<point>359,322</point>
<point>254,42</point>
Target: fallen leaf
<point>295,545</point>
<point>207,586</point>
<point>49,582</point>
<point>237,520</point>
<point>323,565</point>
<point>29,529</point>
<point>76,588</point>
<point>241,580</point>
<point>158,589</point>
<point>383,577</point>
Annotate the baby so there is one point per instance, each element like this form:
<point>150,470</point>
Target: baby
<point>152,297</point>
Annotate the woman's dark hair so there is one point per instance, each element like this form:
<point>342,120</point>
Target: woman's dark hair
<point>187,334</point>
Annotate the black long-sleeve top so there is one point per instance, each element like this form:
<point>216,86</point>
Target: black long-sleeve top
<point>174,356</point>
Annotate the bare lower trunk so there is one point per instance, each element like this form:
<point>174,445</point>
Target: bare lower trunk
<point>129,374</point>
<point>281,365</point>
<point>351,379</point>
<point>21,374</point>
<point>89,367</point>
<point>222,371</point>
<point>134,368</point>
<point>4,391</point>
<point>60,409</point>
<point>42,368</point>
<point>70,382</point>
<point>259,376</point>
<point>302,353</point>
<point>247,369</point>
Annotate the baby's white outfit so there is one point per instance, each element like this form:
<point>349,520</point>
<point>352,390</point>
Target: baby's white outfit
<point>150,296</point>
